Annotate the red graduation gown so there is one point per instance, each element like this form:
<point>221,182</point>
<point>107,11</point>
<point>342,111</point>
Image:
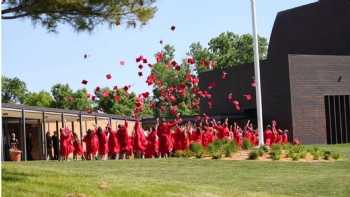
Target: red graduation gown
<point>268,137</point>
<point>139,139</point>
<point>207,138</point>
<point>66,142</point>
<point>78,149</point>
<point>124,139</point>
<point>103,143</point>
<point>113,144</point>
<point>152,145</point>
<point>223,132</point>
<point>165,139</point>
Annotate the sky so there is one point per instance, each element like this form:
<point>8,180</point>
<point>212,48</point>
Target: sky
<point>42,59</point>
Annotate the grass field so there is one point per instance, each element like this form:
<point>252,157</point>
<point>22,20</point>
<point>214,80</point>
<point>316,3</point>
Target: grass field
<point>178,177</point>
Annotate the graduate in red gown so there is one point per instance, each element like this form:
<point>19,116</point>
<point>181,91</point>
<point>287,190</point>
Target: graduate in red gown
<point>285,137</point>
<point>66,145</point>
<point>124,140</point>
<point>268,135</point>
<point>164,134</point>
<point>139,140</point>
<point>238,134</point>
<point>196,135</point>
<point>91,144</point>
<point>78,148</point>
<point>102,143</point>
<point>113,144</point>
<point>222,130</point>
<point>274,132</point>
<point>207,136</point>
<point>177,138</point>
<point>152,148</point>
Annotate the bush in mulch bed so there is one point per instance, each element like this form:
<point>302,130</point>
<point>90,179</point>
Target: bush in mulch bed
<point>197,150</point>
<point>246,144</point>
<point>253,155</point>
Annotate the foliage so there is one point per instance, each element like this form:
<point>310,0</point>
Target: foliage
<point>226,50</point>
<point>82,15</point>
<point>229,148</point>
<point>81,101</point>
<point>275,154</point>
<point>295,156</point>
<point>246,144</point>
<point>264,148</point>
<point>197,149</point>
<point>327,155</point>
<point>276,147</point>
<point>179,153</point>
<point>253,155</point>
<point>42,98</point>
<point>62,96</point>
<point>172,89</point>
<point>13,90</point>
<point>335,155</point>
<point>215,149</point>
<point>260,151</point>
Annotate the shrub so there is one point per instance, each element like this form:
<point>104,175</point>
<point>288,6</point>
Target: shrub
<point>253,155</point>
<point>246,144</point>
<point>295,156</point>
<point>277,147</point>
<point>215,149</point>
<point>303,154</point>
<point>327,155</point>
<point>229,148</point>
<point>316,155</point>
<point>260,152</point>
<point>335,156</point>
<point>275,155</point>
<point>197,149</point>
<point>287,146</point>
<point>265,148</point>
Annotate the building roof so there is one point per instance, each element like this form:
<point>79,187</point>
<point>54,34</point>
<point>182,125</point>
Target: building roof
<point>65,111</point>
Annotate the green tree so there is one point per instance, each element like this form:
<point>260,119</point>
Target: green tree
<point>13,90</point>
<point>226,50</point>
<point>42,98</point>
<point>62,96</point>
<point>118,101</point>
<point>171,88</point>
<point>82,15</point>
<point>81,100</point>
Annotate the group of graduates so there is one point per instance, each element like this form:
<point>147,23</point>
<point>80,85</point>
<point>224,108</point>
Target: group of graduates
<point>165,138</point>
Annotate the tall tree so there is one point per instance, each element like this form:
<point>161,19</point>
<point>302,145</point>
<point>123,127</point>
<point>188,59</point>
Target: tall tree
<point>81,100</point>
<point>13,90</point>
<point>226,50</point>
<point>172,85</point>
<point>42,99</point>
<point>62,95</point>
<point>82,15</point>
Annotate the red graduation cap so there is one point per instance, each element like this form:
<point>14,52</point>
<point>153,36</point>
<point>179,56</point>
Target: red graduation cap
<point>253,84</point>
<point>140,66</point>
<point>173,28</point>
<point>248,97</point>
<point>85,56</point>
<point>115,87</point>
<point>105,93</point>
<point>145,61</point>
<point>191,60</point>
<point>139,59</point>
<point>150,65</point>
<point>116,98</point>
<point>122,63</point>
<point>140,74</point>
<point>97,88</point>
<point>109,76</point>
<point>177,68</point>
<point>126,88</point>
<point>84,82</point>
<point>212,85</point>
<point>160,41</point>
<point>93,98</point>
<point>159,57</point>
<point>145,94</point>
<point>224,75</point>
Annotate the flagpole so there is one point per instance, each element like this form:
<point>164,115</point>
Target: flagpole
<point>257,75</point>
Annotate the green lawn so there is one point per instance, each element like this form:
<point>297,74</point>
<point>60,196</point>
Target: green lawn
<point>178,177</point>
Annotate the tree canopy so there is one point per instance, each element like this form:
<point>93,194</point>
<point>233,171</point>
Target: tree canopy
<point>42,98</point>
<point>13,90</point>
<point>226,50</point>
<point>82,15</point>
